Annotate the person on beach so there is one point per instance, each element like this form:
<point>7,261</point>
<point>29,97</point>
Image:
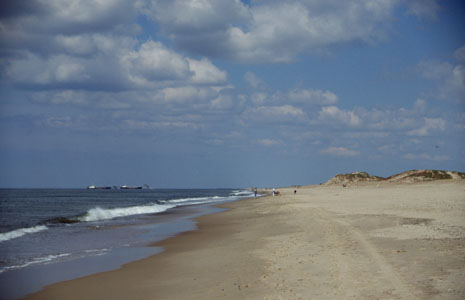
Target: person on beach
<point>255,192</point>
<point>274,191</point>
<point>295,192</point>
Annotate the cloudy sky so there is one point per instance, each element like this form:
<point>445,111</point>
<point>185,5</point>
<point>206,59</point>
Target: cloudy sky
<point>228,93</point>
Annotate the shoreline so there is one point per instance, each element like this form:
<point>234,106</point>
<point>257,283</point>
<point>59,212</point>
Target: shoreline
<point>18,283</point>
<point>206,229</point>
<point>364,242</point>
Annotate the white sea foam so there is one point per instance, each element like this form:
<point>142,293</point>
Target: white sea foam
<point>243,193</point>
<point>96,214</point>
<point>38,260</point>
<point>20,232</point>
<point>197,200</point>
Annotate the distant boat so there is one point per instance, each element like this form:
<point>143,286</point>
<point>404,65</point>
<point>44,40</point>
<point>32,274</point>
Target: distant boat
<point>93,187</point>
<point>125,187</point>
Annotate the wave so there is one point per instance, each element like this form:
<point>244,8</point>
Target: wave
<point>20,232</point>
<point>196,200</point>
<point>38,260</point>
<point>242,193</point>
<point>98,213</point>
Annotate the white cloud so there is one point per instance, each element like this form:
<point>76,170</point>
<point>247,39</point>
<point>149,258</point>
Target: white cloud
<point>253,80</point>
<point>259,98</point>
<point>185,17</point>
<point>330,114</point>
<point>275,114</point>
<point>340,151</point>
<point>389,120</point>
<point>147,125</point>
<point>89,44</point>
<point>459,54</point>
<point>435,69</point>
<point>455,83</point>
<point>82,15</point>
<point>313,96</point>
<point>272,31</point>
<point>153,62</point>
<point>423,8</point>
<point>32,69</point>
<point>222,102</point>
<point>184,94</point>
<point>204,72</point>
<point>285,110</point>
<point>151,66</point>
<point>419,105</point>
<point>49,27</point>
<point>430,124</point>
<point>449,78</point>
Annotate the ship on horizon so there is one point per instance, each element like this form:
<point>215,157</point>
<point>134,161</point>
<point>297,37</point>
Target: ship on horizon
<point>93,187</point>
<point>125,187</point>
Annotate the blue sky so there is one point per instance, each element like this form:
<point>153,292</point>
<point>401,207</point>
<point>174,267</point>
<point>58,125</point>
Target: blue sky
<point>215,93</point>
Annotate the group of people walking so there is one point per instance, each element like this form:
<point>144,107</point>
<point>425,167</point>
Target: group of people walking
<point>274,192</point>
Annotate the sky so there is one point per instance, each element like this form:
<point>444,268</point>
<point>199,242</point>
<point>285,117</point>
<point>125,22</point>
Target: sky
<point>228,93</point>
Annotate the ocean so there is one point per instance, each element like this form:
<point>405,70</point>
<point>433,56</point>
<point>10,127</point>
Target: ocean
<point>50,235</point>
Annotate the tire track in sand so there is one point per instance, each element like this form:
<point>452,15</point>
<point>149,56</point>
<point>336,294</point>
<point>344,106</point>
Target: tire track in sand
<point>357,266</point>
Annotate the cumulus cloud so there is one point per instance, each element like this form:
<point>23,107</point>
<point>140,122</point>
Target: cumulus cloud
<point>154,62</point>
<point>54,27</point>
<point>273,31</point>
<point>275,114</point>
<point>187,17</point>
<point>449,78</point>
<point>222,102</point>
<point>253,80</point>
<point>332,114</point>
<point>205,72</point>
<point>152,65</point>
<point>77,45</point>
<point>259,98</point>
<point>340,151</point>
<point>198,25</point>
<point>430,124</point>
<point>58,70</point>
<point>184,94</point>
<point>70,16</point>
<point>312,96</point>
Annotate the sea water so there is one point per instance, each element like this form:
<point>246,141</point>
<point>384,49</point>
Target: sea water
<point>49,235</point>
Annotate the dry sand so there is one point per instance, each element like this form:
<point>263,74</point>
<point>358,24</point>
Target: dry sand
<point>372,241</point>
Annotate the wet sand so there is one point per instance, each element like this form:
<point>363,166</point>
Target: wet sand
<point>372,241</point>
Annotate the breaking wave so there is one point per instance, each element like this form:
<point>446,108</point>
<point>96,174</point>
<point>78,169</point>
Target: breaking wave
<point>20,232</point>
<point>98,213</point>
<point>198,200</point>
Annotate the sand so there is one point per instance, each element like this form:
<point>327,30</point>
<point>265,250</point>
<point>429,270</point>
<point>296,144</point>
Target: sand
<point>372,241</point>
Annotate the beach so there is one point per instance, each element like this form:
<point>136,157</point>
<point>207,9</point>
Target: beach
<point>363,241</point>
